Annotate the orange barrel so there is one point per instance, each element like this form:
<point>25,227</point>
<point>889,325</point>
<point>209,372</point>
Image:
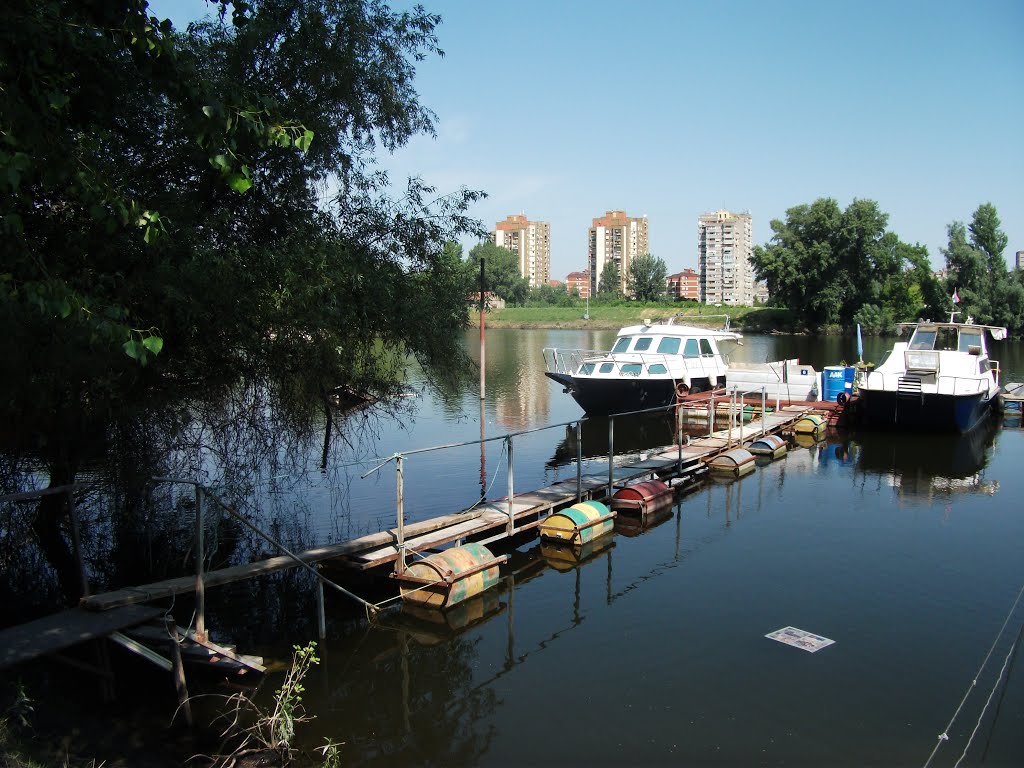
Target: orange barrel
<point>443,569</point>
<point>579,523</point>
<point>642,499</point>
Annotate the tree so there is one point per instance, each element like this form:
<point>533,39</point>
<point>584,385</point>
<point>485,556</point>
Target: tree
<point>646,278</point>
<point>825,264</point>
<point>610,283</point>
<point>501,272</point>
<point>177,221</point>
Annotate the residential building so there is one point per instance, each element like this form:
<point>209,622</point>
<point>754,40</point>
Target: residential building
<point>725,243</point>
<point>683,285</point>
<point>580,282</point>
<point>615,237</point>
<point>761,294</point>
<point>1020,260</point>
<point>531,242</point>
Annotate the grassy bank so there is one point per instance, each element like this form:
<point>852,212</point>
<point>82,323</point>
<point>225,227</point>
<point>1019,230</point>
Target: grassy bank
<point>613,317</point>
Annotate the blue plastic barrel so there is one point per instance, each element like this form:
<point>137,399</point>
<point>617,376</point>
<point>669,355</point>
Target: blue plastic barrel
<point>836,379</point>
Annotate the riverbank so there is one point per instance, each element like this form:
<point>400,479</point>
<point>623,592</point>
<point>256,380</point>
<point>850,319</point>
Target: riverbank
<point>614,317</point>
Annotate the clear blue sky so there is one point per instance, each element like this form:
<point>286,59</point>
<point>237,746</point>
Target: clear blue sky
<point>563,110</point>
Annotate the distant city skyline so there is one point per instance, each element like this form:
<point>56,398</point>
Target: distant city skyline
<point>916,105</point>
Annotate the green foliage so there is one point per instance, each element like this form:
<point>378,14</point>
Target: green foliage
<point>550,295</point>
<point>825,264</point>
<point>874,320</point>
<point>173,227</point>
<point>646,278</point>
<point>976,270</point>
<point>610,282</point>
<point>501,272</point>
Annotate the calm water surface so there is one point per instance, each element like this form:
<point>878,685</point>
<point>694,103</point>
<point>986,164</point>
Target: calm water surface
<point>906,551</point>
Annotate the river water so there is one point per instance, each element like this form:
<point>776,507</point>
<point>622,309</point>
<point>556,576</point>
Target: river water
<point>904,550</point>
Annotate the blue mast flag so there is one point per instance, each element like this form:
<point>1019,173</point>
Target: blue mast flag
<point>860,345</point>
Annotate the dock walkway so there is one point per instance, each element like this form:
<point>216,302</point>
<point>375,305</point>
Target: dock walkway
<point>484,523</point>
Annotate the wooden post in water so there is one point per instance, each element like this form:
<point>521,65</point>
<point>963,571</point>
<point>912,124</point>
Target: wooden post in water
<point>200,564</point>
<point>178,670</point>
<point>400,514</point>
<point>76,542</point>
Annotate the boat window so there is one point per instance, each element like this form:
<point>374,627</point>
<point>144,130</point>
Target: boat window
<point>705,348</point>
<point>622,344</point>
<point>923,340</point>
<point>643,344</point>
<point>969,339</point>
<point>946,339</point>
<point>669,345</point>
<point>691,349</point>
<point>607,367</point>
<point>587,369</point>
<point>657,368</point>
<point>631,369</point>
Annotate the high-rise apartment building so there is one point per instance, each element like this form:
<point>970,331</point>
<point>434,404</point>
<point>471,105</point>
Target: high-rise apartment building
<point>1020,260</point>
<point>531,242</point>
<point>618,238</point>
<point>725,243</point>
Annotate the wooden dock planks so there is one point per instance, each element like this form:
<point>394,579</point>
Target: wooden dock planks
<point>62,630</point>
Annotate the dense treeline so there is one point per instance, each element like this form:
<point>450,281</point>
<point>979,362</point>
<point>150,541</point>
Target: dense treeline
<point>835,268</point>
<point>188,205</point>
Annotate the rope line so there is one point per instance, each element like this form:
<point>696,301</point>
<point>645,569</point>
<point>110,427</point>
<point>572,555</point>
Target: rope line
<point>944,736</point>
<point>999,679</point>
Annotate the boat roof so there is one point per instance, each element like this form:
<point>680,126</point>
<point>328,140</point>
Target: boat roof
<point>998,332</point>
<point>670,329</point>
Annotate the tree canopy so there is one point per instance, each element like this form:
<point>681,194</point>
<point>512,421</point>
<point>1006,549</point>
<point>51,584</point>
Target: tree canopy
<point>827,265</point>
<point>501,272</point>
<point>976,270</point>
<point>610,281</point>
<point>646,278</point>
<point>177,204</point>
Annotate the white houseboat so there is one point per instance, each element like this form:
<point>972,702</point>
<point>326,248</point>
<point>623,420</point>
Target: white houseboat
<point>652,364</point>
<point>941,380</point>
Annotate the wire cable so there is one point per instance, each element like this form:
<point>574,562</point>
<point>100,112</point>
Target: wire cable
<point>944,736</point>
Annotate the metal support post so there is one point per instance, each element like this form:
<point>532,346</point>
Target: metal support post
<point>400,514</point>
<point>321,613</point>
<point>611,455</point>
<point>510,526</point>
<point>764,410</point>
<point>711,414</point>
<point>579,461</point>
<point>200,564</point>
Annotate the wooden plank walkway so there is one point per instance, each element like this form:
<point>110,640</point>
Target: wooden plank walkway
<point>485,522</point>
<point>62,630</point>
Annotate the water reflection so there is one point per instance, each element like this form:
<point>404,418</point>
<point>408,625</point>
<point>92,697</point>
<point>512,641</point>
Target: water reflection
<point>939,466</point>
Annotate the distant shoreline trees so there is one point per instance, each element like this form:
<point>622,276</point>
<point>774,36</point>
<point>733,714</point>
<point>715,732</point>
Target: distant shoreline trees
<point>838,268</point>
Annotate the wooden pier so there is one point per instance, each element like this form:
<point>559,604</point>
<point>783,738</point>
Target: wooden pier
<point>105,615</point>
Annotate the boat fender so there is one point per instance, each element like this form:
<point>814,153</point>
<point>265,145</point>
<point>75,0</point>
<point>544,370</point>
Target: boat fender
<point>682,390</point>
<point>842,398</point>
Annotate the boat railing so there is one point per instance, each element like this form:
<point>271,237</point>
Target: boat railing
<point>945,384</point>
<point>569,361</point>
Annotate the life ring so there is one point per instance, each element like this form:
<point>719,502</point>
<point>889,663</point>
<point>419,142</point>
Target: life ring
<point>682,390</point>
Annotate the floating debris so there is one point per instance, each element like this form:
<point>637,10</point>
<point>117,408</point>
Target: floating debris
<point>800,638</point>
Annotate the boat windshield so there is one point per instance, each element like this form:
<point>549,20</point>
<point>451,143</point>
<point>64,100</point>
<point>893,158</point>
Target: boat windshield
<point>622,344</point>
<point>970,339</point>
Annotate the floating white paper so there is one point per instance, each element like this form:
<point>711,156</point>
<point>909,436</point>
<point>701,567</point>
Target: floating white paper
<point>800,638</point>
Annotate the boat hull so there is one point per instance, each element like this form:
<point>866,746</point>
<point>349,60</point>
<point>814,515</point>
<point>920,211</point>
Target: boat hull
<point>924,412</point>
<point>605,396</point>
